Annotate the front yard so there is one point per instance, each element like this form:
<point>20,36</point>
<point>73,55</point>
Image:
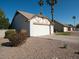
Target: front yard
<point>40,48</point>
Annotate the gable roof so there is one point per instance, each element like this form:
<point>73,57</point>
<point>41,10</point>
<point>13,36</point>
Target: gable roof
<point>25,14</point>
<point>29,16</point>
<point>58,22</point>
<point>55,21</point>
<point>67,25</point>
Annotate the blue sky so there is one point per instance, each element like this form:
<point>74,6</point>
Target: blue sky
<point>63,12</point>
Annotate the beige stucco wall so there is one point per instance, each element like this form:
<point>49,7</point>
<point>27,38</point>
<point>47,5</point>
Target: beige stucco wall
<point>71,29</point>
<point>39,30</point>
<point>52,29</point>
<point>65,29</point>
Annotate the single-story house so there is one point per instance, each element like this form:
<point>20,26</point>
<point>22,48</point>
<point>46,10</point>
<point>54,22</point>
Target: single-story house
<point>36,25</point>
<point>68,28</point>
<point>58,27</point>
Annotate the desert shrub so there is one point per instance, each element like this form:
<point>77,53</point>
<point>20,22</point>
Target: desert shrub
<point>17,38</point>
<point>64,46</point>
<point>10,33</point>
<point>20,38</point>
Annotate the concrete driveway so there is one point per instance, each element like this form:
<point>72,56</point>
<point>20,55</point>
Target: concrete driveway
<point>73,38</point>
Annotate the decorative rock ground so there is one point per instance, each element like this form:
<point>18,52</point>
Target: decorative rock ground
<point>39,48</point>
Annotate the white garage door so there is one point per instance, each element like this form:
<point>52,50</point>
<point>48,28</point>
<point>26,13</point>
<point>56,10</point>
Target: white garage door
<point>39,30</point>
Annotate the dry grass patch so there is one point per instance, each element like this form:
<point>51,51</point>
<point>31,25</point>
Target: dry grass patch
<point>63,33</point>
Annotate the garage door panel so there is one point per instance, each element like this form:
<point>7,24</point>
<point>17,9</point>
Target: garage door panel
<point>39,30</point>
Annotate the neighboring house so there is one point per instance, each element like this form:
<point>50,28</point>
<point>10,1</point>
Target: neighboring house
<point>36,25</point>
<point>65,28</point>
<point>58,27</point>
<point>68,28</point>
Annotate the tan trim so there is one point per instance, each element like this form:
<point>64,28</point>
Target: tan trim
<point>40,24</point>
<point>50,30</point>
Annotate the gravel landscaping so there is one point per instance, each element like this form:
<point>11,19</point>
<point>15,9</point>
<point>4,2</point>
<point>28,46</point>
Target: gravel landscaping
<point>40,48</point>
